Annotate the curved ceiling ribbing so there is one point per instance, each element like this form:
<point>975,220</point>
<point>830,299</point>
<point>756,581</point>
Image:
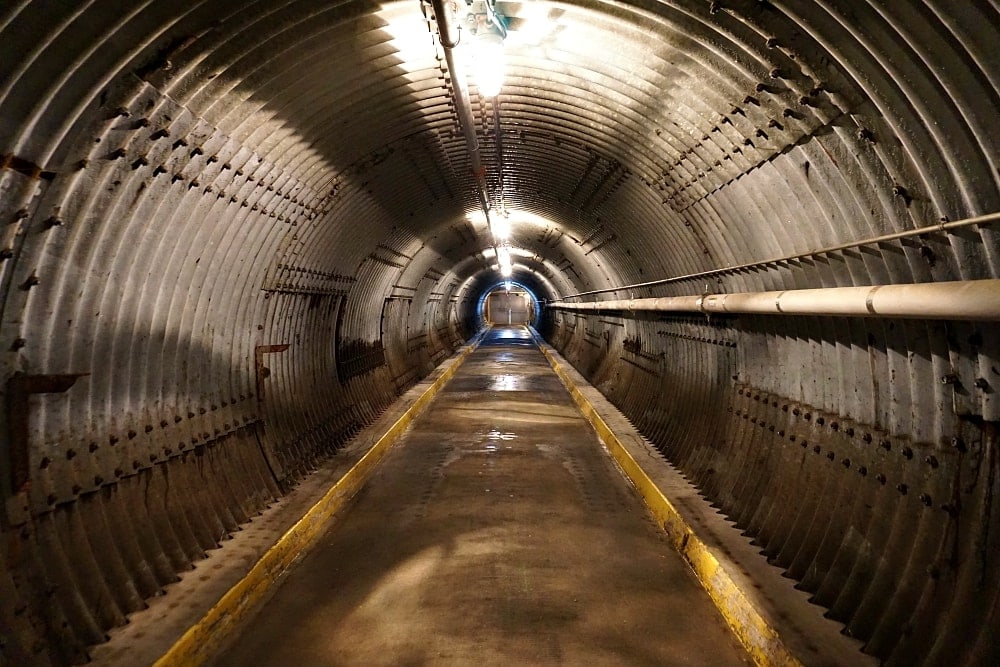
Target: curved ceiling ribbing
<point>188,187</point>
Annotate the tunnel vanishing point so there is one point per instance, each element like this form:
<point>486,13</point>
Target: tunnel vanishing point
<point>232,233</point>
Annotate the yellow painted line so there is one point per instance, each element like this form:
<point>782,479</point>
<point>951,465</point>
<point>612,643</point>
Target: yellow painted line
<point>203,640</point>
<point>758,637</point>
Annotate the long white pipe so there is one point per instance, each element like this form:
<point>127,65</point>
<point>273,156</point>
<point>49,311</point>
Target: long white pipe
<point>957,300</point>
<point>463,105</point>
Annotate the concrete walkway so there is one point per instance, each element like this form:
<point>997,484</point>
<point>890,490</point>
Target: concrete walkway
<point>498,531</point>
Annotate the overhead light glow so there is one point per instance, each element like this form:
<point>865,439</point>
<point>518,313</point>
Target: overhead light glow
<point>506,270</point>
<point>489,62</point>
<point>501,227</point>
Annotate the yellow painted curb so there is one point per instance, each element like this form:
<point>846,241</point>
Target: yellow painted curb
<point>758,637</point>
<point>203,640</point>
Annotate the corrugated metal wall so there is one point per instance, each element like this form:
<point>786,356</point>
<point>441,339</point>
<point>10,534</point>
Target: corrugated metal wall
<point>232,232</point>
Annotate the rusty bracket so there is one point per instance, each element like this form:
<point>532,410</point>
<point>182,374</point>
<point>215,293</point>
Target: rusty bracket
<point>19,390</point>
<point>263,372</point>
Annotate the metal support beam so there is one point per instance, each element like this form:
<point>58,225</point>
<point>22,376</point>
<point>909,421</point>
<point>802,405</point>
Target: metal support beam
<point>957,300</point>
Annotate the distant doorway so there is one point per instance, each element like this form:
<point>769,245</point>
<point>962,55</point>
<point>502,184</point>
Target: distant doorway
<point>509,306</point>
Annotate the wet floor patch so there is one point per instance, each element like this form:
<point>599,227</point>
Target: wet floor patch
<point>497,532</point>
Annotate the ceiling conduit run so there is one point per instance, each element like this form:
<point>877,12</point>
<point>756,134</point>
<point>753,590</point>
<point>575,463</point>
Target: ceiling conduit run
<point>231,233</point>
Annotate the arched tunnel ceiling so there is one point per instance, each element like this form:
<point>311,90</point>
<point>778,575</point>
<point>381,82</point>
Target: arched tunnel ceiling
<point>659,138</point>
<point>257,222</point>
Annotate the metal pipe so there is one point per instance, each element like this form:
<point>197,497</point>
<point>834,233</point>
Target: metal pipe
<point>956,300</point>
<point>463,106</point>
<point>499,146</point>
<point>940,227</point>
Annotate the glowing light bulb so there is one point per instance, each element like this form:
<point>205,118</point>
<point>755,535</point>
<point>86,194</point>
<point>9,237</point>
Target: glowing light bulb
<point>489,63</point>
<point>501,227</point>
<point>506,270</point>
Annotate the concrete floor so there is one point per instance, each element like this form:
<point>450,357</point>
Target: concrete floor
<point>498,531</point>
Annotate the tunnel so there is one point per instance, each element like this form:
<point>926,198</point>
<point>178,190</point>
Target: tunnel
<point>235,233</point>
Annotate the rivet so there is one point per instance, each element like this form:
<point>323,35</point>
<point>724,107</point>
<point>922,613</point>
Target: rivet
<point>772,42</point>
<point>93,447</point>
<point>77,489</point>
<point>931,461</point>
<point>149,428</point>
<point>112,440</point>
<point>164,423</point>
<point>122,112</point>
<point>880,478</point>
<point>863,471</point>
<point>831,455</point>
<point>950,509</point>
<point>981,383</point>
<point>866,437</point>
<point>18,344</point>
<point>817,449</point>
<point>846,463</point>
<point>44,463</point>
<point>864,134</point>
<point>131,434</point>
<point>885,444</point>
<point>197,151</point>
<point>70,453</point>
<point>796,412</point>
<point>958,444</point>
<point>925,499</point>
<point>159,134</point>
<point>116,154</point>
<point>152,458</point>
<point>849,431</point>
<point>119,472</point>
<point>30,282</point>
<point>98,480</point>
<point>52,221</point>
<point>820,420</point>
<point>142,122</point>
<point>950,378</point>
<point>51,499</point>
<point>777,73</point>
<point>136,465</point>
<point>835,426</point>
<point>907,453</point>
<point>775,124</point>
<point>901,488</point>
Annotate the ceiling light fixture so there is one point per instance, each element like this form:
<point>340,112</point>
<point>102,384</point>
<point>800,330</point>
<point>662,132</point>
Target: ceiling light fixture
<point>488,55</point>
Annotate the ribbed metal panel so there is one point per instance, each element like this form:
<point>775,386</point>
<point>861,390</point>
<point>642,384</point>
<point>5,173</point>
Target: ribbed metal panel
<point>241,229</point>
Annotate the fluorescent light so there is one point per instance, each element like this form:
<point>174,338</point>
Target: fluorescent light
<point>489,62</point>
